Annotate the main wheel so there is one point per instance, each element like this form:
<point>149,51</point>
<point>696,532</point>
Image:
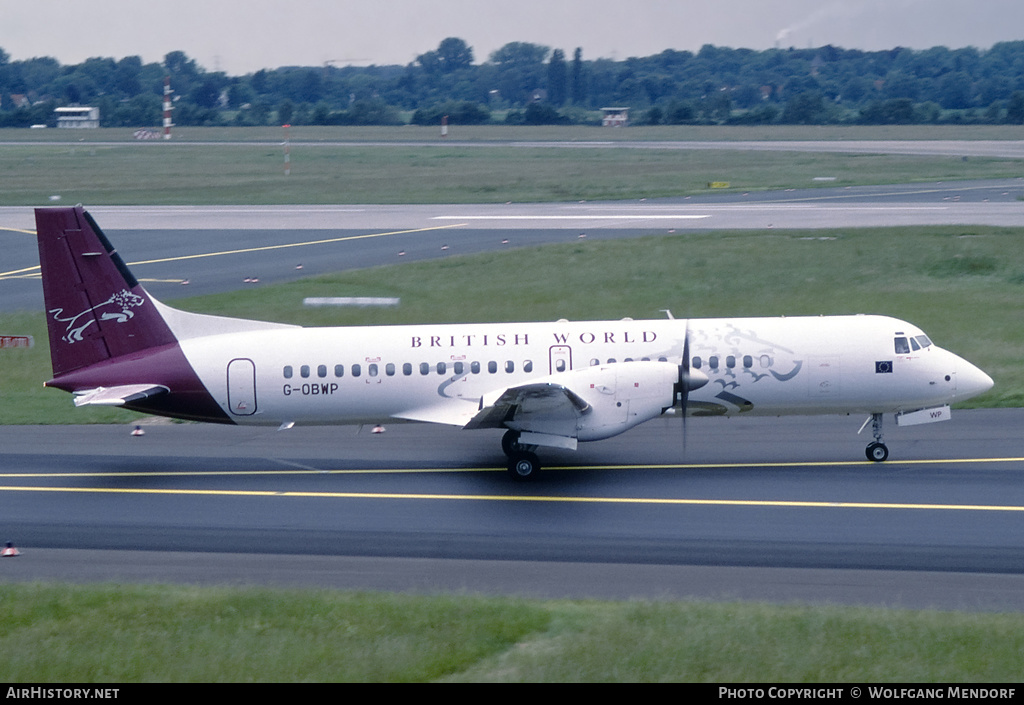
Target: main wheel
<point>510,442</point>
<point>523,465</point>
<point>877,452</point>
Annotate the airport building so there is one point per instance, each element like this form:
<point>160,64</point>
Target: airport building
<point>78,118</point>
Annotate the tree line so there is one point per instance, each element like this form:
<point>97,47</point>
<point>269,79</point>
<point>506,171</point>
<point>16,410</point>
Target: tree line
<point>524,83</point>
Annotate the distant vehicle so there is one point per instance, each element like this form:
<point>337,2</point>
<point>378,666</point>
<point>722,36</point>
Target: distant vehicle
<point>547,384</point>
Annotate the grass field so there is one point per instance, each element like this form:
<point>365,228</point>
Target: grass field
<point>253,174</point>
<point>550,133</point>
<point>336,165</point>
<point>132,634</point>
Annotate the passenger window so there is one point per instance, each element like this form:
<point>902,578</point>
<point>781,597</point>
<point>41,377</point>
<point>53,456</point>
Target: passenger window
<point>528,366</point>
<point>594,362</point>
<point>766,361</point>
<point>389,369</point>
<point>356,370</point>
<point>696,363</point>
<point>713,362</point>
<point>559,366</point>
<point>459,367</point>
<point>474,367</point>
<point>748,361</point>
<point>406,368</point>
<point>441,368</point>
<point>730,361</point>
<point>510,366</point>
<point>339,370</point>
<point>304,371</point>
<point>321,371</point>
<point>287,371</point>
<point>902,348</point>
<point>372,369</point>
<point>492,367</point>
<point>424,368</point>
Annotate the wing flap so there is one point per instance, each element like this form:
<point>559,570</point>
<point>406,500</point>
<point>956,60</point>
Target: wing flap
<point>118,396</point>
<point>453,413</point>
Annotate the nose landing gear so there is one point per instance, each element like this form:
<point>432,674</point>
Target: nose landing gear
<point>876,451</point>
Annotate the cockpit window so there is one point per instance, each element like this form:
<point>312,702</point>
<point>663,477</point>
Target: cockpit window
<point>914,345</point>
<point>923,339</point>
<point>902,346</point>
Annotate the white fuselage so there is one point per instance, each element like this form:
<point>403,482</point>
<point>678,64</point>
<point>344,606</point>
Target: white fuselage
<point>551,384</point>
<point>447,373</point>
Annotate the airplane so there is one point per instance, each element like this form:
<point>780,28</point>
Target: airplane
<point>546,384</point>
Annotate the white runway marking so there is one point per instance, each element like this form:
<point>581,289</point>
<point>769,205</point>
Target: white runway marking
<point>581,216</point>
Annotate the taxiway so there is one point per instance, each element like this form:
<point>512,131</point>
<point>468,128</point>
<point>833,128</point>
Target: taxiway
<point>939,525</point>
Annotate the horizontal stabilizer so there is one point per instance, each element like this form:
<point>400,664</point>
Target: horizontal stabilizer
<point>118,396</point>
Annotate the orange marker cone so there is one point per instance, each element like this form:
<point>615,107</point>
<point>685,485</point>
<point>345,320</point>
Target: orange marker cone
<point>9,551</point>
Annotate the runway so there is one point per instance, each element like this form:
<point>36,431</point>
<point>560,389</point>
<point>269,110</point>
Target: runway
<point>769,509</point>
<point>191,251</point>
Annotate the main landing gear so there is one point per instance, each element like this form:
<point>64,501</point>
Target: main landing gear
<point>522,461</point>
<point>877,450</point>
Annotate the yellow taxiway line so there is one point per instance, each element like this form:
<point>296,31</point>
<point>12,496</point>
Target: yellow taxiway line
<point>304,470</point>
<point>805,504</point>
<point>813,504</point>
<point>266,248</point>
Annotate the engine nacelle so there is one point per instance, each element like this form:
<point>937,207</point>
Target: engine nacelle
<point>621,395</point>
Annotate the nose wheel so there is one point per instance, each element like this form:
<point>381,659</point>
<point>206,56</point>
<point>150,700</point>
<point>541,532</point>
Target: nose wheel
<point>877,451</point>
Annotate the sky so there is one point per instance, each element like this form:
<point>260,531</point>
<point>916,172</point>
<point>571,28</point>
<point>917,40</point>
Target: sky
<point>243,36</point>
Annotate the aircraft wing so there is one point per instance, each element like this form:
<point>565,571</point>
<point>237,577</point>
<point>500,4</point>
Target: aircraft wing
<point>562,409</point>
<point>539,405</point>
<point>553,407</point>
<point>118,396</point>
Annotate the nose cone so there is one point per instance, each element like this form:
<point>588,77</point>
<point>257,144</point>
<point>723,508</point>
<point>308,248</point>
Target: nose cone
<point>696,379</point>
<point>970,381</point>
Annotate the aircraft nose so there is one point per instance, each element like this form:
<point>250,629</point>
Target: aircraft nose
<point>970,381</point>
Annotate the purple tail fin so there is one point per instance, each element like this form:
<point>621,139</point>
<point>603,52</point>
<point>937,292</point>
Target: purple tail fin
<point>95,308</point>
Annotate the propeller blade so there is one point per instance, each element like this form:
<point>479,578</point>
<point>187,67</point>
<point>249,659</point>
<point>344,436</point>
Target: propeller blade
<point>684,379</point>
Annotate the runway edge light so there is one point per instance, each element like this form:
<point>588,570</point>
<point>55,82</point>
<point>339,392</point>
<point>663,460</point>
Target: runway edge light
<point>10,551</point>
